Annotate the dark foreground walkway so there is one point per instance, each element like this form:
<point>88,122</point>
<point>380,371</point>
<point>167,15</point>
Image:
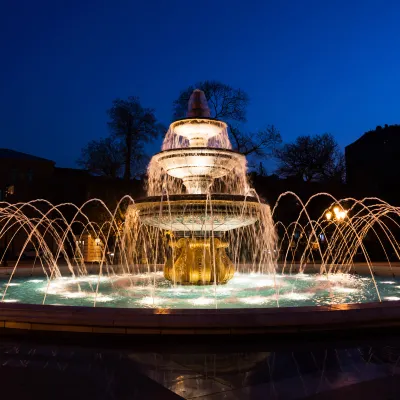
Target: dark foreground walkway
<point>32,370</point>
<point>51,366</point>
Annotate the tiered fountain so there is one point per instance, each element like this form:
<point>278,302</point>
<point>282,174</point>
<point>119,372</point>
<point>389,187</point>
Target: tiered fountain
<point>197,152</point>
<point>200,226</point>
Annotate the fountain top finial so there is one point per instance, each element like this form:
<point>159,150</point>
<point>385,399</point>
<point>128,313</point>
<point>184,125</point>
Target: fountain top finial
<point>198,106</point>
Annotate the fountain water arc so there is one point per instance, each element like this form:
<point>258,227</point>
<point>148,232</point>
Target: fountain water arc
<point>202,239</point>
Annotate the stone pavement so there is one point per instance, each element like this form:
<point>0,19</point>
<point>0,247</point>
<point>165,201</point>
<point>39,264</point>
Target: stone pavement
<point>326,368</point>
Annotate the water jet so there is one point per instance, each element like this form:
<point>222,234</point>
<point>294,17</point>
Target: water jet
<point>203,246</point>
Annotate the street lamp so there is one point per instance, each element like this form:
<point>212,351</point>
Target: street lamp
<point>338,214</point>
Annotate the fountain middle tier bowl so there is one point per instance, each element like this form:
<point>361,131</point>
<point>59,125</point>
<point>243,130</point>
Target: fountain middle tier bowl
<point>197,213</point>
<point>198,162</point>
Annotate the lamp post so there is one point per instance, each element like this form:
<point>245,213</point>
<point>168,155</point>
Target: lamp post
<point>338,214</point>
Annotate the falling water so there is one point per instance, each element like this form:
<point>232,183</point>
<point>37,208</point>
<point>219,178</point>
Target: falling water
<point>199,196</point>
<point>132,254</point>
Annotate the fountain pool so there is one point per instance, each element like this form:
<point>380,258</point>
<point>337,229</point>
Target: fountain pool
<point>200,248</point>
<point>152,290</point>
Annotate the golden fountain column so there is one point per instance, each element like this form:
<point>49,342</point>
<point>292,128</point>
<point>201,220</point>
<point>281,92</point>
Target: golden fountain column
<point>198,261</point>
<point>198,254</point>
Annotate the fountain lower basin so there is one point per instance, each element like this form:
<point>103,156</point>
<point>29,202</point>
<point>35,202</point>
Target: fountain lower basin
<point>198,213</point>
<point>200,258</point>
<point>250,304</point>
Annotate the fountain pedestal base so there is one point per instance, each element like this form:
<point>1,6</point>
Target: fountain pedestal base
<point>198,261</point>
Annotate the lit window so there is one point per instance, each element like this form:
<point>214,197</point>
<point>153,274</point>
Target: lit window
<point>10,190</point>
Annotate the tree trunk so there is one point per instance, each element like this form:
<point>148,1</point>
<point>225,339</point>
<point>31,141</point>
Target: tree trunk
<point>128,156</point>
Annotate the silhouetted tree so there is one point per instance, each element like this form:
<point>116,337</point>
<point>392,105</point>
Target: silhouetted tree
<point>106,157</point>
<point>312,158</point>
<point>261,143</point>
<point>102,157</point>
<point>134,125</point>
<point>230,105</point>
<point>261,170</point>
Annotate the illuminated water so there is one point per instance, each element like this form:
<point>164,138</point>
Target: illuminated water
<point>199,189</point>
<point>243,291</point>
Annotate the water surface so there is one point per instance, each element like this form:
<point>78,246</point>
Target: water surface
<point>243,291</point>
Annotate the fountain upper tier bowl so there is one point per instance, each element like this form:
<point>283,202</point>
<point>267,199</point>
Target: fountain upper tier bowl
<point>197,213</point>
<point>198,166</point>
<point>198,130</point>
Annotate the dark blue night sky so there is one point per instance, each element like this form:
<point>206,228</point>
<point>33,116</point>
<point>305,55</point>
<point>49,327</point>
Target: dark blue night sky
<point>308,66</point>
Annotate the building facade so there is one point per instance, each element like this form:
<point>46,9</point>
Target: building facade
<point>373,164</point>
<point>24,177</point>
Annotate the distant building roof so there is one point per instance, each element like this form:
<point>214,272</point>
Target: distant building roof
<point>17,155</point>
<point>380,134</point>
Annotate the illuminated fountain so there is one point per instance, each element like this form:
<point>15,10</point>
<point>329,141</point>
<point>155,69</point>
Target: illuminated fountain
<point>201,226</point>
<point>197,152</point>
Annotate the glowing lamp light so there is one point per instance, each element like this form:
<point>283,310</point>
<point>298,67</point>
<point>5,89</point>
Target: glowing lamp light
<point>336,210</point>
<point>339,214</point>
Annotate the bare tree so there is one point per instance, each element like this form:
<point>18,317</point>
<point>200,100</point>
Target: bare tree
<point>102,157</point>
<point>230,104</point>
<point>261,143</point>
<point>224,101</point>
<point>312,158</point>
<point>134,125</point>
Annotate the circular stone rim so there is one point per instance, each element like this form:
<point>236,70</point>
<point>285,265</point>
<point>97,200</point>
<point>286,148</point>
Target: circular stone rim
<point>184,149</point>
<point>250,321</point>
<point>150,207</point>
<point>209,119</point>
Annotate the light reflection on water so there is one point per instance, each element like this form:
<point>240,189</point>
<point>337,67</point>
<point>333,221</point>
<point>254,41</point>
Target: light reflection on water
<point>243,291</point>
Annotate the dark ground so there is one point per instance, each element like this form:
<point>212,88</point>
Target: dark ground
<point>350,365</point>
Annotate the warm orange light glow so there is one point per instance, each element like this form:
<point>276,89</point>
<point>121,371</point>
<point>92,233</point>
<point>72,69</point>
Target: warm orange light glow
<point>339,214</point>
<point>336,210</point>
